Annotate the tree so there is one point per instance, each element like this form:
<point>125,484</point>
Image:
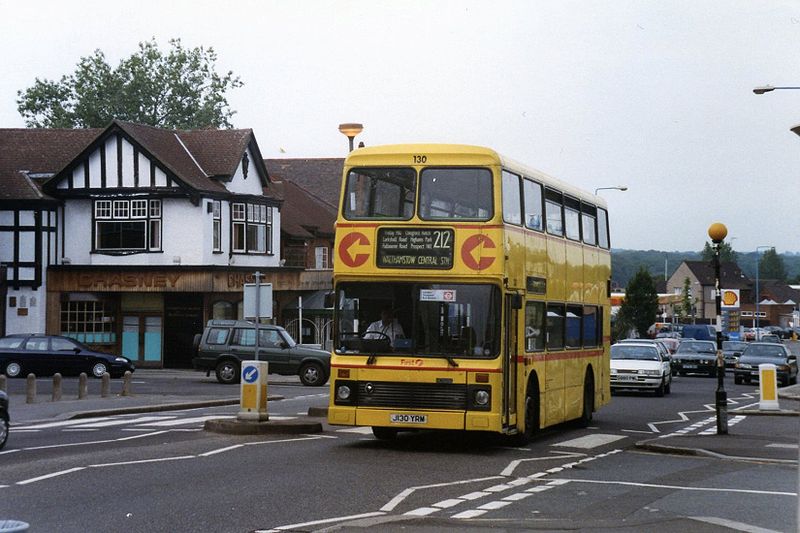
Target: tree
<point>726,253</point>
<point>180,89</point>
<point>640,306</point>
<point>770,266</point>
<point>686,300</point>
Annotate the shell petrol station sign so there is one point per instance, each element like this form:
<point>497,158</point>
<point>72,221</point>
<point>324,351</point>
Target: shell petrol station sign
<point>365,248</point>
<point>730,298</point>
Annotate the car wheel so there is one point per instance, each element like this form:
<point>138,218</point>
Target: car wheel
<point>384,433</point>
<point>98,369</point>
<point>227,372</point>
<point>3,430</point>
<point>668,388</point>
<point>13,369</point>
<point>660,389</point>
<point>737,380</point>
<point>312,375</point>
<point>748,380</point>
<point>682,373</point>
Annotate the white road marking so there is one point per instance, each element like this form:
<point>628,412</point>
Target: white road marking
<point>732,525</point>
<point>507,471</point>
<point>677,487</point>
<point>590,441</point>
<point>732,422</point>
<point>491,506</point>
<point>422,511</point>
<point>394,502</point>
<point>184,421</point>
<point>144,461</point>
<point>221,450</point>
<point>470,514</point>
<point>48,476</point>
<point>446,504</point>
<point>359,430</point>
<point>780,445</point>
<point>318,522</point>
<point>62,423</point>
<point>126,421</point>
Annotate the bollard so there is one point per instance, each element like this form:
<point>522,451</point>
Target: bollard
<point>105,385</point>
<point>126,383</point>
<point>30,389</point>
<point>3,383</point>
<point>56,397</point>
<point>83,387</point>
<point>768,387</point>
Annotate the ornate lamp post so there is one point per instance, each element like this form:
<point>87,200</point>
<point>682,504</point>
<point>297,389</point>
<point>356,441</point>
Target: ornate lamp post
<point>718,232</point>
<point>350,130</point>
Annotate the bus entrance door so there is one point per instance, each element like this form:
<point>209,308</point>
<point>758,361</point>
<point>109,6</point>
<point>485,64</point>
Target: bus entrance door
<point>512,306</point>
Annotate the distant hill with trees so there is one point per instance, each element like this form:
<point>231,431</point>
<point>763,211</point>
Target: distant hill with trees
<point>626,263</point>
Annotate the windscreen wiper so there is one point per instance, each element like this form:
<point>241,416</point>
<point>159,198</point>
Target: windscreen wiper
<point>451,361</point>
<point>371,359</point>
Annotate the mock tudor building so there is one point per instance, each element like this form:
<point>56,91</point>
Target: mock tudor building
<point>129,238</point>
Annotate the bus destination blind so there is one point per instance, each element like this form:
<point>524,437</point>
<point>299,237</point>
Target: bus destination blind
<point>415,248</point>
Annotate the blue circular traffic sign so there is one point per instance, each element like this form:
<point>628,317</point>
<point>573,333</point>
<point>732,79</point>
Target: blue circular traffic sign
<point>250,374</point>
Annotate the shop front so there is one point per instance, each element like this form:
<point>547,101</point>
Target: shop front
<point>149,315</point>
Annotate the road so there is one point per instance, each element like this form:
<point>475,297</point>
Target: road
<point>162,472</point>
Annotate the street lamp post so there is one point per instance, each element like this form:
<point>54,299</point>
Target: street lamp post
<point>615,188</point>
<point>769,88</point>
<point>717,232</point>
<point>350,130</point>
<point>758,294</point>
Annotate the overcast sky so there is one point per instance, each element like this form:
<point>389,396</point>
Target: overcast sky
<point>653,95</point>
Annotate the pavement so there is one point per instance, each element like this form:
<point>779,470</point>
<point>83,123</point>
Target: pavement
<point>765,436</point>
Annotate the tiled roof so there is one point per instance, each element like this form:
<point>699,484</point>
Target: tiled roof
<point>321,177</point>
<point>217,151</point>
<point>36,151</point>
<point>304,215</point>
<point>731,276</point>
<point>778,291</point>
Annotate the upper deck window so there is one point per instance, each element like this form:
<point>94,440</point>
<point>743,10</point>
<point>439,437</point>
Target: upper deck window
<point>455,194</point>
<point>380,193</point>
<point>512,210</point>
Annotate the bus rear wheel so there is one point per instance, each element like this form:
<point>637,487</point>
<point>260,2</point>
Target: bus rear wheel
<point>588,400</point>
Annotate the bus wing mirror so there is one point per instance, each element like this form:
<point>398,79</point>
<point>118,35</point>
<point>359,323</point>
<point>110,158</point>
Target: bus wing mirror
<point>329,300</point>
<point>516,301</point>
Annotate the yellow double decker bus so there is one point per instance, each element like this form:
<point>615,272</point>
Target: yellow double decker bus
<point>470,293</point>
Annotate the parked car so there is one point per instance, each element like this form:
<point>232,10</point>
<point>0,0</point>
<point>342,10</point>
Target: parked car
<point>640,366</point>
<point>4,419</point>
<point>696,357</point>
<point>731,350</point>
<point>701,332</point>
<point>758,353</point>
<point>224,344</point>
<point>44,355</point>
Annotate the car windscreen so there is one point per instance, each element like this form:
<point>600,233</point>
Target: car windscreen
<point>641,353</point>
<point>764,350</point>
<point>697,347</point>
<point>734,346</point>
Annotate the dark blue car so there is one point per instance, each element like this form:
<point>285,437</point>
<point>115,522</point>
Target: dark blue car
<point>4,420</point>
<point>45,355</point>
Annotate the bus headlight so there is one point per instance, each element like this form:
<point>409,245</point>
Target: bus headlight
<point>482,397</point>
<point>343,392</point>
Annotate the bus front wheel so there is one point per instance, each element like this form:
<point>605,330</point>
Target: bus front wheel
<point>531,417</point>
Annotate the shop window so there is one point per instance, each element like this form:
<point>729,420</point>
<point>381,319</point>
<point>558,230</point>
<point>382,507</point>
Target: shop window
<point>91,322</point>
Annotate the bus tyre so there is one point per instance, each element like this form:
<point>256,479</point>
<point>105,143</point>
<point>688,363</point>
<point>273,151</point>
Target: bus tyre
<point>384,433</point>
<point>531,415</point>
<point>588,400</point>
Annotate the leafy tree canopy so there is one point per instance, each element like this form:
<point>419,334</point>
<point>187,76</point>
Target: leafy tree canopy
<point>179,89</point>
<point>640,307</point>
<point>771,266</point>
<point>726,253</point>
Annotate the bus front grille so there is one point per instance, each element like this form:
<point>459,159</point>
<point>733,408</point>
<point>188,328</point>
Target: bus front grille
<point>412,395</point>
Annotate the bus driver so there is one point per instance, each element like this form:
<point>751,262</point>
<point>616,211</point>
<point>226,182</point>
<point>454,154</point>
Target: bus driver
<point>387,325</point>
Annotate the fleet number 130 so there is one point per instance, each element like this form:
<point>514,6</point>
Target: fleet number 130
<point>419,159</point>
